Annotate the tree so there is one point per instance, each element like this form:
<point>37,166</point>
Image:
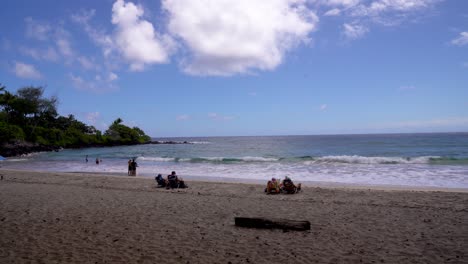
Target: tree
<point>41,109</point>
<point>118,121</point>
<point>119,132</point>
<point>29,117</point>
<point>6,102</point>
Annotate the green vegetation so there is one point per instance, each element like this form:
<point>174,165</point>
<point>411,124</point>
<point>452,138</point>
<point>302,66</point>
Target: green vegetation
<point>28,118</point>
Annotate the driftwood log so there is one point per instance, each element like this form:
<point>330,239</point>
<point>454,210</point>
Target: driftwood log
<point>254,222</point>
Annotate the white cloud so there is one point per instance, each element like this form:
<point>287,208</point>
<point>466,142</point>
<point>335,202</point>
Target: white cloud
<point>136,38</point>
<point>323,107</point>
<point>26,71</point>
<point>227,37</point>
<point>55,35</point>
<point>87,64</point>
<point>80,83</point>
<point>364,14</point>
<point>49,54</point>
<point>461,40</point>
<point>37,30</point>
<point>385,7</point>
<point>112,77</point>
<point>93,117</point>
<point>333,12</point>
<point>216,116</point>
<point>182,117</point>
<point>98,36</point>
<point>400,5</point>
<point>98,85</point>
<point>354,31</point>
<point>64,47</point>
<point>345,3</point>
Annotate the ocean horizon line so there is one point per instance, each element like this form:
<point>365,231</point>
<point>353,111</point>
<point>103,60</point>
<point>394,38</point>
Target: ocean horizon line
<point>337,134</point>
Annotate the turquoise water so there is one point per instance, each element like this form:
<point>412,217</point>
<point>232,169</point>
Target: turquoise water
<point>439,160</point>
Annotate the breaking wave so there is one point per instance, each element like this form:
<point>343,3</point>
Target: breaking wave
<point>308,160</point>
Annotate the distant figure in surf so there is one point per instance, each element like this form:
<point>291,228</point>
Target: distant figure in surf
<point>86,158</point>
<point>97,161</point>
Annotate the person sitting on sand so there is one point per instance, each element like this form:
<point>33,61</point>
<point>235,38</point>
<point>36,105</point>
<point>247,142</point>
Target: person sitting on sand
<point>174,182</point>
<point>288,186</point>
<point>160,180</point>
<point>273,186</point>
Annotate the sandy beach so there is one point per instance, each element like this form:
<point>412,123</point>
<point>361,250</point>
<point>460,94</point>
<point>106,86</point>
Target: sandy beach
<point>84,218</point>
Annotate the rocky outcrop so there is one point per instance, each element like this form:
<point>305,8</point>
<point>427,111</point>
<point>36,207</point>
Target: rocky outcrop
<point>21,148</point>
<point>169,142</point>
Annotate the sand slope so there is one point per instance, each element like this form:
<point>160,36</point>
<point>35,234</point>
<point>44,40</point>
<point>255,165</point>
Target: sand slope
<point>77,218</point>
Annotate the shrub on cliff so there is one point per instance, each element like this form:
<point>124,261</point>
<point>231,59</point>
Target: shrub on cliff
<point>10,133</point>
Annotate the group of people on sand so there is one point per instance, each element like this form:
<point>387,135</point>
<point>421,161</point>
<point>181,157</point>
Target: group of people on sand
<point>172,181</point>
<point>275,186</point>
<point>132,165</point>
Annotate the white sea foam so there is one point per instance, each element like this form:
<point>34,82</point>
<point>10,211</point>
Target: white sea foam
<point>258,159</point>
<point>373,174</point>
<point>212,158</point>
<point>409,174</point>
<point>326,159</point>
<point>16,159</point>
<point>233,159</point>
<point>159,159</point>
<point>371,160</point>
<point>200,142</point>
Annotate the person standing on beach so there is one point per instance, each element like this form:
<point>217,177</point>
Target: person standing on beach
<point>130,168</point>
<point>134,166</point>
<point>86,158</point>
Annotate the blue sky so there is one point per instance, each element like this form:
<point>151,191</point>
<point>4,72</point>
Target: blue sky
<point>219,67</point>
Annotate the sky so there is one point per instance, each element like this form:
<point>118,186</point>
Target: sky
<point>242,68</point>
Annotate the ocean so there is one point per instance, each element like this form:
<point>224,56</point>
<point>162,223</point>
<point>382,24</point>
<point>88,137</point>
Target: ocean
<point>421,160</point>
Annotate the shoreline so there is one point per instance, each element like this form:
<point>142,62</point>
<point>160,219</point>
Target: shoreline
<point>75,218</point>
<point>226,180</point>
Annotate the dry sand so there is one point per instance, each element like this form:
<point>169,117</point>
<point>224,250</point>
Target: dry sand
<point>79,218</point>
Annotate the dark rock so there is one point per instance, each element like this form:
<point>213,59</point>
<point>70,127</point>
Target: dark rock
<point>168,142</point>
<point>22,148</point>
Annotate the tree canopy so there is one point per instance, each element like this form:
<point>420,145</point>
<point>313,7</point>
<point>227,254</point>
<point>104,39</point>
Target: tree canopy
<point>28,116</point>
